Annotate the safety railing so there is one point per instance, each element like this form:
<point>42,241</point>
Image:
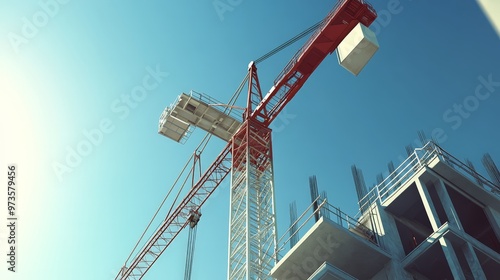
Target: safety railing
<point>330,212</point>
<point>468,172</point>
<point>227,109</point>
<point>412,165</point>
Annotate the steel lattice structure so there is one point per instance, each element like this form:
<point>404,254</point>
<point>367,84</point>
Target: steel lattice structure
<point>252,220</point>
<point>248,156</point>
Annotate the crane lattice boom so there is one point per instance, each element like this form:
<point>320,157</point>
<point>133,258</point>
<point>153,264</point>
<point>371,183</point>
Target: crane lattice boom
<point>179,219</point>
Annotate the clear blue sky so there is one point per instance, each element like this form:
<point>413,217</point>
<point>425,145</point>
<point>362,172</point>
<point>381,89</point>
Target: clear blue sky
<point>66,69</point>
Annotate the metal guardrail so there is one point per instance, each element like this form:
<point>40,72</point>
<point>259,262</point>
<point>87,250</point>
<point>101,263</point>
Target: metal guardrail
<point>334,214</point>
<point>420,158</point>
<point>413,164</point>
<point>227,109</point>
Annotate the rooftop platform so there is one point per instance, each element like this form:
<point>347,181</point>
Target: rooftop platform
<point>340,246</point>
<point>432,158</point>
<point>484,193</point>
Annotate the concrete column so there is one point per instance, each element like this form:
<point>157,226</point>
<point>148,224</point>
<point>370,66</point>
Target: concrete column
<point>448,251</point>
<point>394,270</point>
<point>453,219</point>
<point>448,206</point>
<point>473,261</point>
<point>428,205</point>
<point>389,234</point>
<point>391,242</point>
<point>494,219</point>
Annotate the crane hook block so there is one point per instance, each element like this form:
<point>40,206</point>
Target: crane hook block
<point>194,218</point>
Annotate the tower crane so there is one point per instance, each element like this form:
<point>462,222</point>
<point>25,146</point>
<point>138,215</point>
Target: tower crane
<point>247,155</point>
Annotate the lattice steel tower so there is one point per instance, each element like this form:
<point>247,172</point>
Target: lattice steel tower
<point>252,218</point>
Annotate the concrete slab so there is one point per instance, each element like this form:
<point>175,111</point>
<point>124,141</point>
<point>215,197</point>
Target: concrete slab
<point>329,242</point>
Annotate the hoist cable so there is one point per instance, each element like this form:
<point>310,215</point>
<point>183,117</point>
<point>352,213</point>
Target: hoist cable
<point>287,43</point>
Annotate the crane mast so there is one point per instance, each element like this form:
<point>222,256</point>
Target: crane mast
<point>248,156</point>
<point>252,217</point>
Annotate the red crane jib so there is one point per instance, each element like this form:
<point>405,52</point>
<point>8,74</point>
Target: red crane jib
<point>334,28</point>
<point>340,21</point>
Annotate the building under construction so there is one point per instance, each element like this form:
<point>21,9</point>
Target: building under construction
<point>433,217</point>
